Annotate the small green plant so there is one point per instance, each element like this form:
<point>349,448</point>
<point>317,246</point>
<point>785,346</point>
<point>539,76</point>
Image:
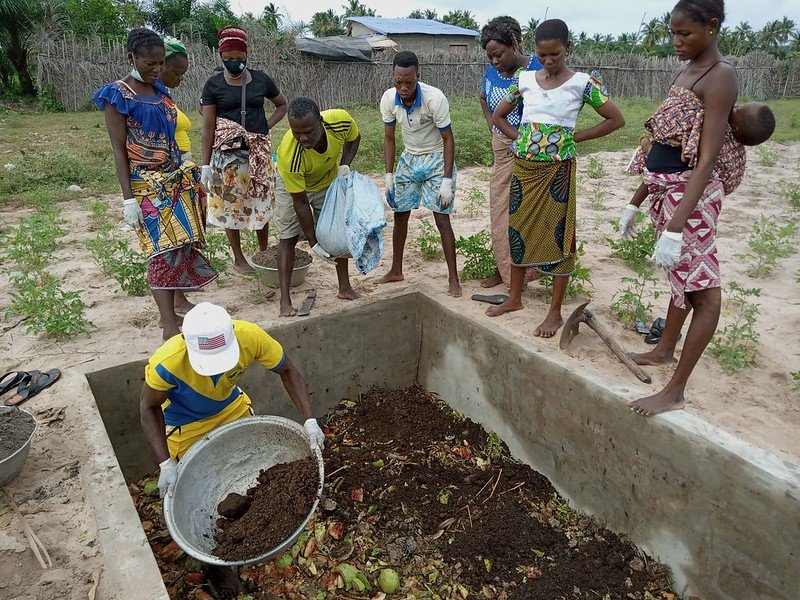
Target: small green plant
<point>768,242</point>
<point>30,246</point>
<point>261,290</point>
<point>119,261</point>
<point>596,168</point>
<point>474,202</point>
<point>483,174</point>
<point>596,199</point>
<point>636,252</point>
<point>494,447</point>
<point>629,304</point>
<point>99,218</point>
<point>47,307</point>
<point>429,242</point>
<point>736,344</point>
<point>578,281</point>
<point>217,250</point>
<point>767,157</point>
<point>477,250</point>
<point>796,378</point>
<point>791,192</point>
<point>47,96</point>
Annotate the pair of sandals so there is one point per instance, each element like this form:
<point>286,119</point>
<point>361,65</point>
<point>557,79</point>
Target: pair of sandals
<point>653,335</point>
<point>28,384</point>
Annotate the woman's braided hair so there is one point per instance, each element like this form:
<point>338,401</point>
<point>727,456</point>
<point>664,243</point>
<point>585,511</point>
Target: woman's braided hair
<point>141,38</point>
<point>702,11</point>
<point>503,30</point>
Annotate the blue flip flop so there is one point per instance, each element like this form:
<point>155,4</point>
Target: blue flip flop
<point>31,386</point>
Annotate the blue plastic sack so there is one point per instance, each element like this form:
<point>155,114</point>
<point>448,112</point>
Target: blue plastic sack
<point>351,221</point>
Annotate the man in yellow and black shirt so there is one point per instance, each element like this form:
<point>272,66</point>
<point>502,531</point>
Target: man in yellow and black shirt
<point>318,147</point>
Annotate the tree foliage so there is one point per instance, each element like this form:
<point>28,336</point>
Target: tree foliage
<point>326,23</point>
<point>461,18</point>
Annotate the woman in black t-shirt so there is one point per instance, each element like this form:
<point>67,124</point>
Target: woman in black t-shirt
<point>237,160</point>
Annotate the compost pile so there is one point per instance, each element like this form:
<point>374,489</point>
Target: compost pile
<point>269,258</point>
<point>419,497</point>
<point>270,512</point>
<point>15,429</point>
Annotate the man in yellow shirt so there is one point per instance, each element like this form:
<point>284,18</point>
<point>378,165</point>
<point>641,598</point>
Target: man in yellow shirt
<point>191,384</point>
<point>308,162</point>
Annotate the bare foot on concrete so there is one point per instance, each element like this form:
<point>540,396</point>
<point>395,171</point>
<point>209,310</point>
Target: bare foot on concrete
<point>244,267</point>
<point>551,324</point>
<point>455,289</point>
<point>651,358</point>
<point>661,402</point>
<point>225,581</point>
<point>348,294</point>
<point>492,281</point>
<point>286,309</point>
<point>501,309</point>
<point>391,277</point>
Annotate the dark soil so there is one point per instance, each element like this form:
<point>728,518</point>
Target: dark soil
<point>15,429</point>
<point>269,258</point>
<point>273,509</point>
<point>414,486</point>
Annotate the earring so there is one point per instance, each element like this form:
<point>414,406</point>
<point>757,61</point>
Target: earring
<point>711,32</point>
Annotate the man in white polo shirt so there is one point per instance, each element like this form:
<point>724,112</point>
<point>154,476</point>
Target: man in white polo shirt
<point>426,172</point>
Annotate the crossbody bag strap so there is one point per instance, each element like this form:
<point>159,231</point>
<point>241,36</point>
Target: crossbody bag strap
<point>244,98</point>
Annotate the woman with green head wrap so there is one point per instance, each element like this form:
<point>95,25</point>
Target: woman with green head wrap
<point>175,65</point>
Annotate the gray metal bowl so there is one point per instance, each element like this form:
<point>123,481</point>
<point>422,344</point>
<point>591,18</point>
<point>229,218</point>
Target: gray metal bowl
<point>11,466</point>
<point>269,275</point>
<point>227,460</point>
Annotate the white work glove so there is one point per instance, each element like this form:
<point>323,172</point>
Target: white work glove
<point>315,436</point>
<point>132,213</point>
<point>668,249</point>
<point>322,253</point>
<point>446,193</point>
<point>390,190</point>
<point>627,222</point>
<point>169,473</point>
<point>205,176</point>
<point>343,170</point>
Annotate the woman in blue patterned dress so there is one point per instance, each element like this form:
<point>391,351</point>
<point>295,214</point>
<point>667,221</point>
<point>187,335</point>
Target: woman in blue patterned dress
<point>502,39</point>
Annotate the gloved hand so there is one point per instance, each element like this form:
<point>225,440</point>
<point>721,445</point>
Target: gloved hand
<point>132,213</point>
<point>205,176</point>
<point>627,222</point>
<point>668,249</point>
<point>322,253</point>
<point>315,435</point>
<point>446,193</point>
<point>167,477</point>
<point>390,190</point>
<point>343,170</point>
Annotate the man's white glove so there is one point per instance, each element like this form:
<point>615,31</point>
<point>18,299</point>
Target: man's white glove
<point>627,222</point>
<point>315,436</point>
<point>169,473</point>
<point>205,176</point>
<point>446,193</point>
<point>343,170</point>
<point>390,190</point>
<point>322,253</point>
<point>668,249</point>
<point>132,213</point>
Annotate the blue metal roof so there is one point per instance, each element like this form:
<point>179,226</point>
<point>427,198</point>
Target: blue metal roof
<point>422,26</point>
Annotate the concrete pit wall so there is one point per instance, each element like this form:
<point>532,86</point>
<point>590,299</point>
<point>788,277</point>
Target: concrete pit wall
<point>723,514</point>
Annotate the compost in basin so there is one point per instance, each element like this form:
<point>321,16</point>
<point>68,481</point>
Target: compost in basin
<point>417,487</point>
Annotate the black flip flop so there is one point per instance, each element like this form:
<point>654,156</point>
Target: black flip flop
<point>17,378</point>
<point>36,383</point>
<point>656,331</point>
<point>490,299</point>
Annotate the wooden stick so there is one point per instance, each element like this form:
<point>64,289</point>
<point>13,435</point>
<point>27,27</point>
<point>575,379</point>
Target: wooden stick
<point>33,540</point>
<point>494,487</point>
<point>95,583</point>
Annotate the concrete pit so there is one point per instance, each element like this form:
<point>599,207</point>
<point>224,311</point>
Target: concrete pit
<point>723,514</point>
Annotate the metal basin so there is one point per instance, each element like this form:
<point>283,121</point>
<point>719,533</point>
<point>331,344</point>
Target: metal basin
<point>11,466</point>
<point>227,460</point>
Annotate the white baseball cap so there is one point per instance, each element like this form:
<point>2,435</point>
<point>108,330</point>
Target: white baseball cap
<point>210,341</point>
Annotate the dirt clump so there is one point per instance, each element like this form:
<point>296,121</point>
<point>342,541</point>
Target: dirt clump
<point>15,429</point>
<point>270,512</point>
<point>269,258</point>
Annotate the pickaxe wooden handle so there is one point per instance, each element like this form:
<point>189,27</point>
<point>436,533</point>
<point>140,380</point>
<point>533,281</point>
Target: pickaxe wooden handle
<point>591,321</point>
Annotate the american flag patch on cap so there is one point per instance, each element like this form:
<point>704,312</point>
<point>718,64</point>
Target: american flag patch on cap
<point>211,343</point>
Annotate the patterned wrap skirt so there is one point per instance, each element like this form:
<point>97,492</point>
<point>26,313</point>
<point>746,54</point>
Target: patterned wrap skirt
<point>231,202</point>
<point>541,216</point>
<point>698,268</point>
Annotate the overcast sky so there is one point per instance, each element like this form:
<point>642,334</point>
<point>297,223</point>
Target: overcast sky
<point>592,16</point>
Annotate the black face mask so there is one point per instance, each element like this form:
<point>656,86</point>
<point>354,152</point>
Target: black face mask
<point>234,67</point>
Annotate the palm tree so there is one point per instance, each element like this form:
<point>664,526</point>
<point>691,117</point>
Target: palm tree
<point>416,14</point>
<point>743,38</point>
<point>18,18</point>
<point>326,23</point>
<point>529,33</point>
<point>431,15</point>
<point>460,18</point>
<point>271,17</point>
<point>354,8</point>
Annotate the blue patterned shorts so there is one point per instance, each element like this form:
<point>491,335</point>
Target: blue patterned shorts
<point>417,179</point>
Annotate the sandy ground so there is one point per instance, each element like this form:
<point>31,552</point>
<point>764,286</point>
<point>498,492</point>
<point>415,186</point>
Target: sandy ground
<point>757,405</point>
